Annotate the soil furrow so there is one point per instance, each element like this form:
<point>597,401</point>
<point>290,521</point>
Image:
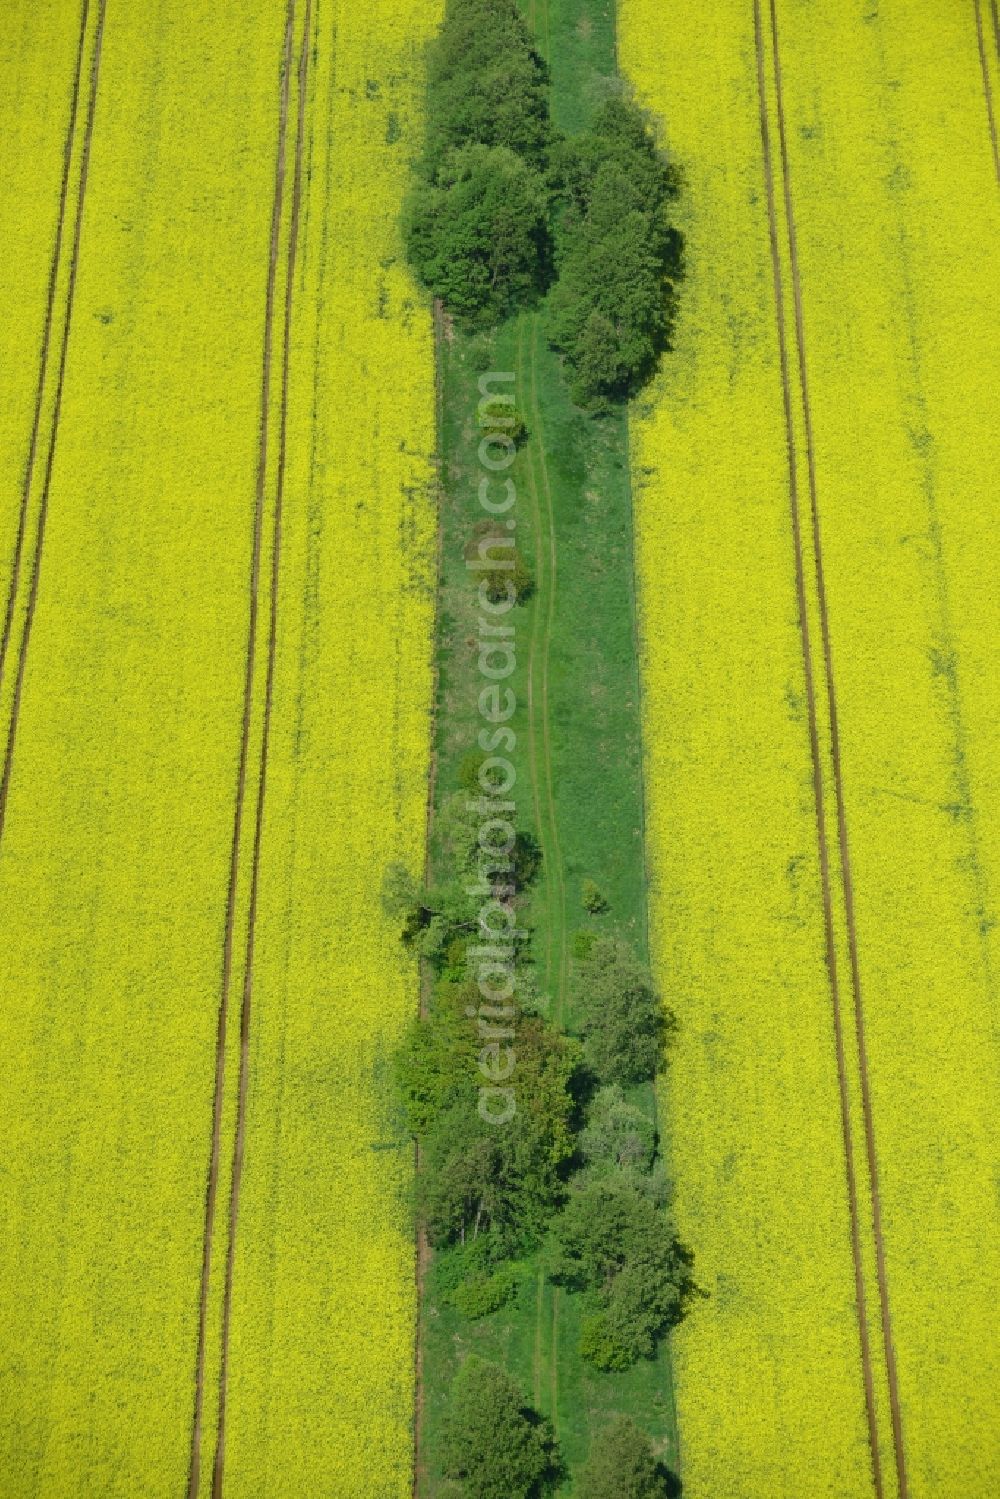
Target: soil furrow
<point>816,755</point>
<point>194,1470</point>
<point>239,1143</point>
<point>43,358</point>
<point>984,68</point>
<point>43,509</point>
<point>838,781</point>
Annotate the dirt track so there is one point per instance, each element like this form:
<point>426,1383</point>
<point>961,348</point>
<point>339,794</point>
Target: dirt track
<point>816,753</point>
<point>43,358</point>
<point>984,66</point>
<point>194,1470</point>
<point>43,509</point>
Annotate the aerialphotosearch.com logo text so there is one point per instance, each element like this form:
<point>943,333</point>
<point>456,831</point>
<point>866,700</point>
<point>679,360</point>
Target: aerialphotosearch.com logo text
<point>493,959</point>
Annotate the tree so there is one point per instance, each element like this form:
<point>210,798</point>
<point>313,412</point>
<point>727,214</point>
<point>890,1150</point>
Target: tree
<point>612,308</point>
<point>623,1465</point>
<point>624,1022</point>
<point>617,1136</point>
<point>486,83</point>
<point>615,1243</point>
<point>476,221</point>
<point>477,234</point>
<point>506,1180</point>
<point>493,1443</point>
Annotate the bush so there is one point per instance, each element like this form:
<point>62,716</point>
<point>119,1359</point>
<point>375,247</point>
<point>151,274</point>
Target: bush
<point>612,1241</point>
<point>612,308</point>
<point>507,422</point>
<point>492,1442</point>
<point>482,1294</point>
<point>593,901</point>
<point>477,235</point>
<point>623,1465</point>
<point>623,1021</point>
<point>497,578</point>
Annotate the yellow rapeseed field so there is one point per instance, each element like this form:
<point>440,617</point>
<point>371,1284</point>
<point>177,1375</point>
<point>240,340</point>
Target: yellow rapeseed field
<point>770,1395</point>
<point>115,847</point>
<point>893,200</point>
<point>115,853</point>
<point>899,220</point>
<point>321,1381</point>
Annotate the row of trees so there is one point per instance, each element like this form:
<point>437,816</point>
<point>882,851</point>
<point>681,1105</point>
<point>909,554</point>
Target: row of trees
<point>504,211</point>
<point>497,1447</point>
<point>575,1172</point>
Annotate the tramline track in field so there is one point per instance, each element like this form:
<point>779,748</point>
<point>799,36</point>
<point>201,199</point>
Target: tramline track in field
<point>260,508</point>
<point>828,686</point>
<point>843,841</point>
<point>39,539</point>
<point>236,1179</point>
<point>984,67</point>
<point>47,326</point>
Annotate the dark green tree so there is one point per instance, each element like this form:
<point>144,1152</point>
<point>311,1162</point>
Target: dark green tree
<point>487,84</point>
<point>623,1465</point>
<point>477,234</point>
<point>614,1242</point>
<point>623,1020</point>
<point>612,308</point>
<point>479,1177</point>
<point>493,1443</point>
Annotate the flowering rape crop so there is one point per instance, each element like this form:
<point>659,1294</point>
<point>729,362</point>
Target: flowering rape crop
<point>117,830</point>
<point>842,212</point>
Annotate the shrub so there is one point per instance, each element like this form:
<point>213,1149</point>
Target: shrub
<point>477,235</point>
<point>612,308</point>
<point>623,1465</point>
<point>482,1294</point>
<point>593,900</point>
<point>624,1023</point>
<point>507,552</point>
<point>492,1442</point>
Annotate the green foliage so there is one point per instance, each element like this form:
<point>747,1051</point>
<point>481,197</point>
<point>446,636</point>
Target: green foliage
<point>617,1136</point>
<point>493,1443</point>
<point>614,1242</point>
<point>612,308</point>
<point>623,1465</point>
<point>472,1277</point>
<point>476,221</point>
<point>503,1180</point>
<point>438,1056</point>
<point>477,235</point>
<point>506,552</point>
<point>583,945</point>
<point>593,900</point>
<point>483,1294</point>
<point>505,422</point>
<point>623,1022</point>
<point>486,84</point>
